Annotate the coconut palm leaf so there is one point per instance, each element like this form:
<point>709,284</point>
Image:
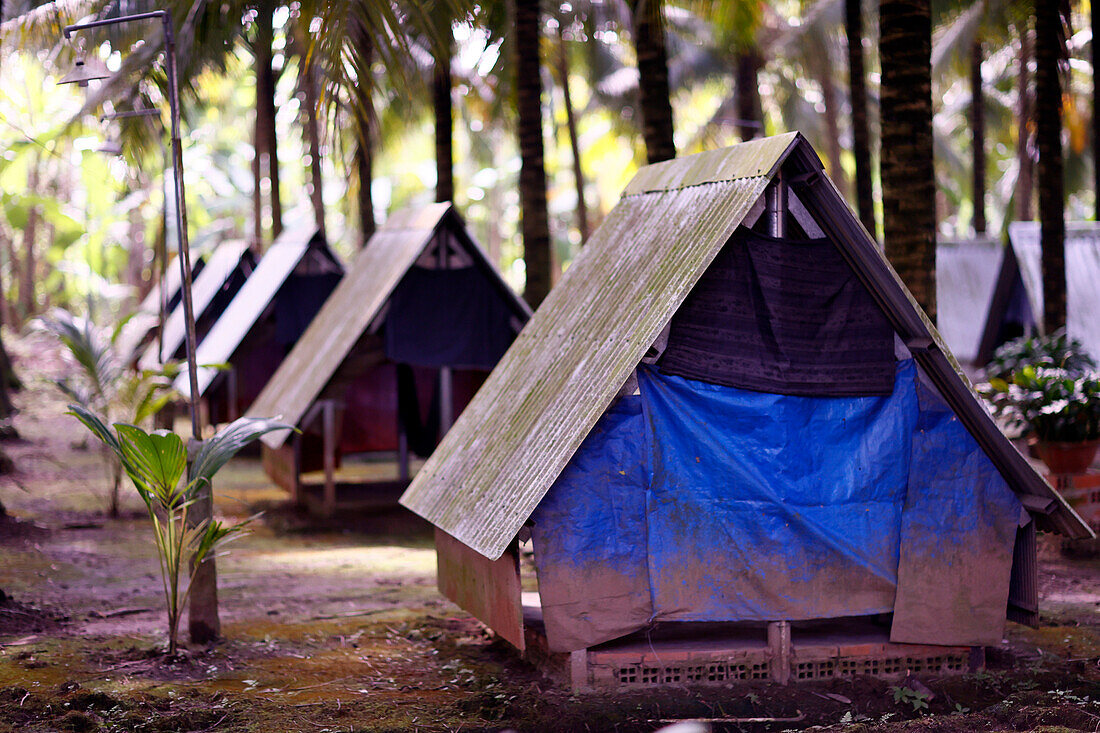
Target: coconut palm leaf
<point>217,450</point>
<point>154,461</point>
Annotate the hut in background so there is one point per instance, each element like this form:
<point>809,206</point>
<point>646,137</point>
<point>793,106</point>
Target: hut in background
<point>142,326</point>
<point>397,351</point>
<point>966,278</point>
<point>1019,293</point>
<point>221,278</point>
<point>262,323</point>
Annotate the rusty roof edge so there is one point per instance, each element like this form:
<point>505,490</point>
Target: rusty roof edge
<point>872,267</point>
<point>706,167</point>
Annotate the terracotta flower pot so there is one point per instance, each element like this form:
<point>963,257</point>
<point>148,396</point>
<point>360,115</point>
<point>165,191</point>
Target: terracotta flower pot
<point>1067,457</point>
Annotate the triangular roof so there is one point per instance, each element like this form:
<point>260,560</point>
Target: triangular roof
<point>513,440</point>
<point>144,319</point>
<point>223,262</point>
<point>966,276</point>
<point>354,305</point>
<point>1082,274</point>
<point>250,302</point>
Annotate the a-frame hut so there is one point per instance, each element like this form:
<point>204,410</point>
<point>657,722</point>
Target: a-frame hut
<point>1017,305</point>
<point>740,450</point>
<point>263,322</point>
<point>966,278</point>
<point>397,351</point>
<point>142,326</point>
<point>221,278</point>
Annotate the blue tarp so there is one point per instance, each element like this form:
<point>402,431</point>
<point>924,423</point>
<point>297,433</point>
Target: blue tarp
<point>700,502</point>
<point>957,534</point>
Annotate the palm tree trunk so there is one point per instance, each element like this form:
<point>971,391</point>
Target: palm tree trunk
<point>861,135</point>
<point>364,166</point>
<point>749,109</point>
<point>654,97</point>
<point>30,234</point>
<point>1048,106</point>
<point>535,223</point>
<point>1025,181</point>
<point>265,110</point>
<point>257,187</point>
<point>832,123</point>
<point>571,128</point>
<point>977,126</point>
<point>363,114</point>
<point>1094,18</point>
<point>444,128</point>
<point>308,84</point>
<point>908,180</point>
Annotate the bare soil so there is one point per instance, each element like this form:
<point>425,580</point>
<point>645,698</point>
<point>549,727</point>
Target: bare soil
<point>339,628</point>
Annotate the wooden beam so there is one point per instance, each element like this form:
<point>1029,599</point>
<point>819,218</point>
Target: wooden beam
<point>779,651</point>
<point>232,394</point>
<point>487,589</point>
<point>328,428</point>
<point>446,400</point>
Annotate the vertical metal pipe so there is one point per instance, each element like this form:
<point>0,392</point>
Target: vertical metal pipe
<point>446,400</point>
<point>181,220</point>
<point>162,255</point>
<point>775,206</point>
<point>328,432</point>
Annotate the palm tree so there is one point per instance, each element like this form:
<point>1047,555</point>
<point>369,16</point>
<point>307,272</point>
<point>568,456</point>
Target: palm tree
<point>571,128</point>
<point>654,100</point>
<point>1094,19</point>
<point>265,162</point>
<point>535,223</point>
<point>1049,52</point>
<point>977,126</point>
<point>8,380</point>
<point>861,134</point>
<point>1025,178</point>
<point>908,179</point>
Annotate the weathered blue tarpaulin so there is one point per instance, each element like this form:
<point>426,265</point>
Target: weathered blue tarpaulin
<point>699,502</point>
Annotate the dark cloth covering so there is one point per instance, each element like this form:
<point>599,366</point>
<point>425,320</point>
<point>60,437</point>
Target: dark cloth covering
<point>423,435</point>
<point>298,301</point>
<point>782,316</point>
<point>448,318</point>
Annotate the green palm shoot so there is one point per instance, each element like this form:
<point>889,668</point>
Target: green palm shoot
<point>102,383</point>
<point>156,464</point>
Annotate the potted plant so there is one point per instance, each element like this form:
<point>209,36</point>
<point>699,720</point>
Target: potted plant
<point>1056,350</point>
<point>1058,407</point>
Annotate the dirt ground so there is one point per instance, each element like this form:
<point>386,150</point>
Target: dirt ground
<point>329,629</point>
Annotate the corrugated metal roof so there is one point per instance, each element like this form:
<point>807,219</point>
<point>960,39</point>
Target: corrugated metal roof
<point>249,304</point>
<point>217,270</point>
<point>515,437</point>
<point>1082,276</point>
<point>966,274</point>
<point>512,441</point>
<point>754,159</point>
<point>348,311</point>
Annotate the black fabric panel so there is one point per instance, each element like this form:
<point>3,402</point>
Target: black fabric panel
<point>782,316</point>
<point>298,301</point>
<point>447,318</point>
<point>423,435</point>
